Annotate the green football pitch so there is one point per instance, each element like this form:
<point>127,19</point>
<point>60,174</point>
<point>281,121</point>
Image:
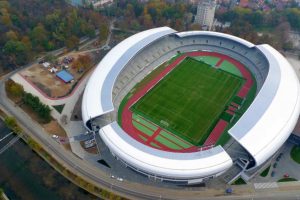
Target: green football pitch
<point>189,100</point>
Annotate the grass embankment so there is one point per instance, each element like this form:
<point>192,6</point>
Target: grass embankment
<point>295,154</point>
<point>265,172</point>
<point>239,181</point>
<point>287,180</point>
<point>59,108</point>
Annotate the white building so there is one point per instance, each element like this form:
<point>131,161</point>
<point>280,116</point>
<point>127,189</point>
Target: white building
<point>206,13</point>
<point>100,3</point>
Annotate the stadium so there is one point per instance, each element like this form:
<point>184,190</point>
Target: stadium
<point>189,106</point>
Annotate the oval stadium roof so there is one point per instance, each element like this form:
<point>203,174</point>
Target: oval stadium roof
<point>262,129</point>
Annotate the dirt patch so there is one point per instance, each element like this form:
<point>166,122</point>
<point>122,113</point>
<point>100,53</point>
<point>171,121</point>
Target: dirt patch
<point>48,83</point>
<point>54,128</point>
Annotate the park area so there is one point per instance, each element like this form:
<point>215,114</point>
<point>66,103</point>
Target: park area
<point>189,100</point>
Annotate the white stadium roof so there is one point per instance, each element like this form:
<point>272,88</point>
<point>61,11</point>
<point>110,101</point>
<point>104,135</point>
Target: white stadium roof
<point>161,163</point>
<point>216,34</point>
<point>273,114</point>
<point>262,129</point>
<point>97,99</point>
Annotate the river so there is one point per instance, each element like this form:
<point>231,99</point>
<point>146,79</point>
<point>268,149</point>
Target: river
<point>24,175</point>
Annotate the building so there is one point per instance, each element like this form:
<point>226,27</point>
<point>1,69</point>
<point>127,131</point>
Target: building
<point>94,3</point>
<point>257,135</point>
<point>100,3</point>
<point>206,13</point>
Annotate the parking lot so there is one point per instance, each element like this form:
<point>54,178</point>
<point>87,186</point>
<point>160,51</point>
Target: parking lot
<point>282,166</point>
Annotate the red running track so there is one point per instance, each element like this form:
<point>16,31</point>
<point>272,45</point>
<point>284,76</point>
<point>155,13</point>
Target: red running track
<point>216,132</point>
<point>127,114</point>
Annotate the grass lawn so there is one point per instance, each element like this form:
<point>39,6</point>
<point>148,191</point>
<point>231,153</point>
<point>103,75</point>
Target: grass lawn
<point>239,181</point>
<point>189,100</point>
<point>286,180</point>
<point>59,108</point>
<point>265,172</point>
<point>295,154</point>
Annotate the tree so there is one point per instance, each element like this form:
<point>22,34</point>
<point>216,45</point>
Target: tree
<point>5,17</point>
<point>11,123</point>
<point>16,52</point>
<point>39,36</point>
<point>14,88</point>
<point>11,35</point>
<point>103,32</point>
<point>72,42</point>
<point>147,21</point>
<point>41,109</point>
<point>27,42</point>
<point>82,62</point>
<point>195,27</point>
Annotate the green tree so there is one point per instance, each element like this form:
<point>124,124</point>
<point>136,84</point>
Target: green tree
<point>72,42</point>
<point>39,36</point>
<point>103,32</point>
<point>11,123</point>
<point>14,88</point>
<point>11,35</point>
<point>16,52</point>
<point>41,109</point>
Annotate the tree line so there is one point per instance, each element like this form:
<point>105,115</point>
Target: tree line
<point>245,22</point>
<point>30,27</point>
<point>273,25</point>
<point>140,15</point>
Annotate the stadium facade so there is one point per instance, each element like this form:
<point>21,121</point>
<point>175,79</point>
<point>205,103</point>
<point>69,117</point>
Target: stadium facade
<point>261,130</point>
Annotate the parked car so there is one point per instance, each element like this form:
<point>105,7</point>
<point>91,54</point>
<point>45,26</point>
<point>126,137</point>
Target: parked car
<point>119,179</point>
<point>272,174</point>
<point>55,136</point>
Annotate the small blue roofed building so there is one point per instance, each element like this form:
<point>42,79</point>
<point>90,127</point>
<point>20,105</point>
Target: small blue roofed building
<point>65,76</point>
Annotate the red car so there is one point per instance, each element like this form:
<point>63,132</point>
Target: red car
<point>286,175</point>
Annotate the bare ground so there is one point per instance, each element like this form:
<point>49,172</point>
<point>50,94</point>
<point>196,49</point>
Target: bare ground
<point>47,82</point>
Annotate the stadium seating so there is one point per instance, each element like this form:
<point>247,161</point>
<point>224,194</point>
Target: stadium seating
<point>165,48</point>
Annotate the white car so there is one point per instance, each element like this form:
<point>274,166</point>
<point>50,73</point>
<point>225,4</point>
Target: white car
<point>55,136</point>
<point>119,179</point>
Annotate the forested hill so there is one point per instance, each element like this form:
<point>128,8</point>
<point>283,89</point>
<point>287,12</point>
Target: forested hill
<point>29,27</point>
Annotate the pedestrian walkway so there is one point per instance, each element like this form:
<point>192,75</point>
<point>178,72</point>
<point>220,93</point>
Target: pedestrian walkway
<point>265,185</point>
